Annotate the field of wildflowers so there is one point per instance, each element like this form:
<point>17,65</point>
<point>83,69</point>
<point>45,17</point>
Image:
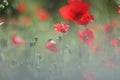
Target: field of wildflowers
<point>59,40</point>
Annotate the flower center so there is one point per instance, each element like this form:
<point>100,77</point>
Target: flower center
<point>77,16</point>
<point>85,38</point>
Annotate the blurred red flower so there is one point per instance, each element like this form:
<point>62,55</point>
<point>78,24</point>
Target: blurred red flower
<point>118,10</point>
<point>63,27</point>
<point>51,46</point>
<point>21,7</point>
<point>42,14</point>
<point>86,36</point>
<point>85,19</point>
<point>114,42</point>
<point>77,12</point>
<point>16,40</point>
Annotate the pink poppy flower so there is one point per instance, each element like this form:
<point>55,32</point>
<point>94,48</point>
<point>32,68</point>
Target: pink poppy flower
<point>51,46</point>
<point>16,40</point>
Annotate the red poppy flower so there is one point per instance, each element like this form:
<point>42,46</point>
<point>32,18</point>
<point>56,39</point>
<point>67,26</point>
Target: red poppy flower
<point>77,12</point>
<point>63,27</point>
<point>21,7</point>
<point>42,14</point>
<point>86,36</point>
<point>114,42</point>
<point>51,46</point>
<point>16,40</point>
<point>118,9</point>
<point>85,19</point>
